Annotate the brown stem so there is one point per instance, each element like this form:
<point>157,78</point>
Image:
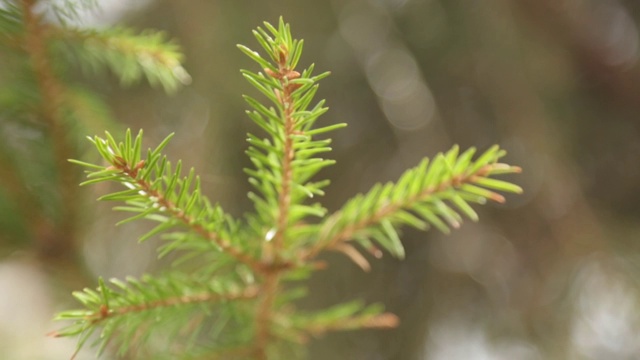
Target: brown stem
<point>106,313</point>
<point>264,315</point>
<point>61,243</point>
<point>272,275</point>
<point>284,198</point>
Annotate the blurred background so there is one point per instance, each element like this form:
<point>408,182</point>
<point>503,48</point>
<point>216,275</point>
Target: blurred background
<point>553,274</point>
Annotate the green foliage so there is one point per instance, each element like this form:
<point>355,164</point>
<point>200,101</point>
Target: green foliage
<point>67,11</point>
<point>128,55</point>
<point>11,21</point>
<point>177,303</point>
<point>245,274</point>
<point>435,193</point>
<point>38,98</point>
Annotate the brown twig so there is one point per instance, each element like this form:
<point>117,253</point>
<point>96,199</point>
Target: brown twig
<point>273,251</point>
<point>106,313</point>
<point>284,197</point>
<point>380,321</point>
<point>265,313</point>
<point>62,242</point>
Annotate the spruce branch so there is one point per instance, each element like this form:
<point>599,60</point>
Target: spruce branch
<point>51,94</point>
<point>128,55</point>
<point>67,11</point>
<point>434,193</point>
<point>124,308</point>
<point>299,327</point>
<point>37,95</point>
<point>156,192</point>
<point>285,163</point>
<point>267,253</point>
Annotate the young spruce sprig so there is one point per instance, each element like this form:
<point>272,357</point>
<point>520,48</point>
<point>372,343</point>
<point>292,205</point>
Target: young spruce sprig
<point>236,299</point>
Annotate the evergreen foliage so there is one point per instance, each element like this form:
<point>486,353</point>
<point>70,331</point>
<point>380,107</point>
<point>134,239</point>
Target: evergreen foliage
<point>236,298</point>
<point>42,112</point>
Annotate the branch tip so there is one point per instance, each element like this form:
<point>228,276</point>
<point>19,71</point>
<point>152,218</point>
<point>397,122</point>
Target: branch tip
<point>384,321</point>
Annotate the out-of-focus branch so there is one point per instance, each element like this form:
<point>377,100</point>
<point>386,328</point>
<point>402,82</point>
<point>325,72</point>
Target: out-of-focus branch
<point>60,243</point>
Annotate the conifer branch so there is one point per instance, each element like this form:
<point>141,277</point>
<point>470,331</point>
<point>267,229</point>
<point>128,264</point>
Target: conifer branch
<point>286,105</point>
<point>196,225</point>
<point>51,92</point>
<point>107,312</point>
<point>126,307</point>
<point>343,317</point>
<point>276,245</point>
<point>344,323</point>
<point>282,186</point>
<point>419,199</point>
<point>128,55</point>
<point>169,199</point>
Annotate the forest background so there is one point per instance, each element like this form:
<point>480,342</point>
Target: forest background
<point>553,274</point>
